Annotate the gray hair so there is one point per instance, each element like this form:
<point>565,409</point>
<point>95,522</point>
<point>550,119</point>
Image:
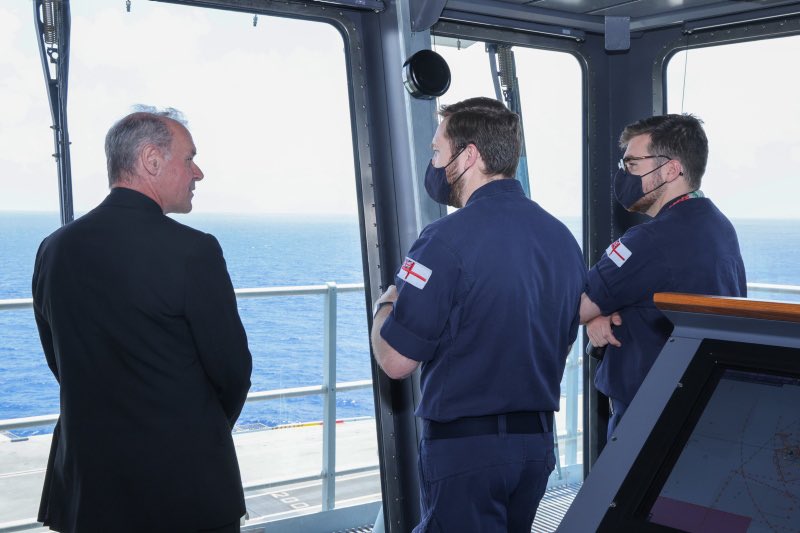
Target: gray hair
<point>127,137</point>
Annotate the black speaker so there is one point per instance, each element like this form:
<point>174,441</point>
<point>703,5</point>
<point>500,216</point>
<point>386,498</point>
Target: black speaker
<point>426,75</point>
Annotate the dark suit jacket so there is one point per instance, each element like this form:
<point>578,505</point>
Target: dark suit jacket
<point>139,324</point>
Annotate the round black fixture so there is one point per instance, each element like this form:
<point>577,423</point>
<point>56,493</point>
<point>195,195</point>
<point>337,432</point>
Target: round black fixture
<point>426,75</point>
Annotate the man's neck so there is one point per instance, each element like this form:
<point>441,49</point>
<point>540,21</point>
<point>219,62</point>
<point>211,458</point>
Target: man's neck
<point>476,183</point>
<point>670,194</point>
<point>138,186</point>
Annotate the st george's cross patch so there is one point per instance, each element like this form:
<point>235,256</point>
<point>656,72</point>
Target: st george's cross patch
<point>618,253</point>
<point>414,273</point>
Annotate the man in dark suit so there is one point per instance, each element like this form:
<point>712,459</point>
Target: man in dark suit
<point>138,322</point>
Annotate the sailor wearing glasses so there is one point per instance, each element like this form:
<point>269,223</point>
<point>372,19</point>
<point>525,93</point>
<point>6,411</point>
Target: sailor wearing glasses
<point>689,246</point>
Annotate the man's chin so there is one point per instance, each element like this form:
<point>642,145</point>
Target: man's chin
<point>182,210</point>
<point>642,205</point>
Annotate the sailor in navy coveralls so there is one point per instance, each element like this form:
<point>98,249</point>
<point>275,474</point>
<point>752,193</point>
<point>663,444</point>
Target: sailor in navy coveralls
<point>689,246</point>
<point>487,301</point>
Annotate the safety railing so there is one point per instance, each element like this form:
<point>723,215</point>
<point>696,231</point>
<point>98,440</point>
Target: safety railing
<point>328,389</point>
<point>329,290</point>
<point>770,287</point>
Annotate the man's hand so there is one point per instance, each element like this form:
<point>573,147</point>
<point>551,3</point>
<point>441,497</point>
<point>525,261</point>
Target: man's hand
<point>388,297</point>
<point>395,364</point>
<point>600,332</point>
<point>588,310</point>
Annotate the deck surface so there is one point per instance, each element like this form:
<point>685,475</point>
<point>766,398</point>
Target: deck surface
<point>265,457</point>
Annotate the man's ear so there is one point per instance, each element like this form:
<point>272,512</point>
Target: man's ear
<point>151,159</point>
<point>472,154</point>
<point>675,170</point>
<point>475,159</point>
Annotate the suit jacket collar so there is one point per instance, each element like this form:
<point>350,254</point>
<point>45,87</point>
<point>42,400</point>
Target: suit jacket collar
<point>122,197</point>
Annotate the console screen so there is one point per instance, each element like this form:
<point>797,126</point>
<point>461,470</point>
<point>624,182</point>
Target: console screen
<point>740,469</point>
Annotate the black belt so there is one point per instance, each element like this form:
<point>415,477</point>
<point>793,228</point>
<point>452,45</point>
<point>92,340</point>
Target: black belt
<point>522,422</point>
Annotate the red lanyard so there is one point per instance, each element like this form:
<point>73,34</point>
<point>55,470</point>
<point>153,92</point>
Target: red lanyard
<point>687,196</point>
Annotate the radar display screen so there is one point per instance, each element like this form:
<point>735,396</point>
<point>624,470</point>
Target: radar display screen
<point>739,471</point>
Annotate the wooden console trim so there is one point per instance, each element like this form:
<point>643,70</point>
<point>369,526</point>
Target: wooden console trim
<point>723,305</point>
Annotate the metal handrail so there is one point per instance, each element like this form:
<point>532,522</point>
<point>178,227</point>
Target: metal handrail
<point>16,303</point>
<point>329,290</point>
<point>272,394</point>
<point>769,287</point>
<point>299,290</point>
<point>260,396</point>
<point>258,292</point>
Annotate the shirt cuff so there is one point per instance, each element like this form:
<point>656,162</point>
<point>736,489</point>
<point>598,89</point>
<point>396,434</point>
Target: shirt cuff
<point>407,343</point>
<point>597,291</point>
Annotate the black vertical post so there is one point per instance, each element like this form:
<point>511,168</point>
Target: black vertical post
<point>52,19</point>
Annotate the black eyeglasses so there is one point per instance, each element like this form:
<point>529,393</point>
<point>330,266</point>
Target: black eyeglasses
<point>623,163</point>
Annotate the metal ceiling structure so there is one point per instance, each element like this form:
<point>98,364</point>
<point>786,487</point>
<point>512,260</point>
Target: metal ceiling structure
<point>616,20</point>
<point>588,15</point>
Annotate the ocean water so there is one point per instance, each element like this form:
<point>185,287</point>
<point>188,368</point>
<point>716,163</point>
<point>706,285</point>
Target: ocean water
<point>285,334</point>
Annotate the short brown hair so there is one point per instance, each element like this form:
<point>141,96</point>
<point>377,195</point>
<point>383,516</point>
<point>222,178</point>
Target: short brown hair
<point>678,137</point>
<point>491,127</point>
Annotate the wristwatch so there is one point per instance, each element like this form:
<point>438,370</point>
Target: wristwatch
<point>377,307</point>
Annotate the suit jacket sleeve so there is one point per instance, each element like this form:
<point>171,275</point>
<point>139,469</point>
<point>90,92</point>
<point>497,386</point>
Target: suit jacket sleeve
<point>218,332</point>
<point>45,334</point>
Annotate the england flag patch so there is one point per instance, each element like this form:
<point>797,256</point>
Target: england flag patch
<point>618,253</point>
<point>414,273</point>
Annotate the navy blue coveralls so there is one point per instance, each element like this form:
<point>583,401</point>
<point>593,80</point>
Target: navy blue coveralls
<point>689,247</point>
<point>488,303</point>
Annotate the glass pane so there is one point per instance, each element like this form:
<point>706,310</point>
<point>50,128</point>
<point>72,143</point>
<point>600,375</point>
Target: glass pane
<point>28,212</point>
<point>752,119</point>
<point>269,113</point>
<point>551,86</point>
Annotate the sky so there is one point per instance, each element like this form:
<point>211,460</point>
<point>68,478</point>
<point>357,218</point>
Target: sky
<point>270,116</point>
<point>271,120</point>
<point>551,114</point>
<point>746,95</point>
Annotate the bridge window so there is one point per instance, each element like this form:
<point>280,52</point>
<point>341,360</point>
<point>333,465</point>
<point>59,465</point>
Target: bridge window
<point>268,108</point>
<point>28,213</point>
<point>752,119</point>
<point>550,92</point>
